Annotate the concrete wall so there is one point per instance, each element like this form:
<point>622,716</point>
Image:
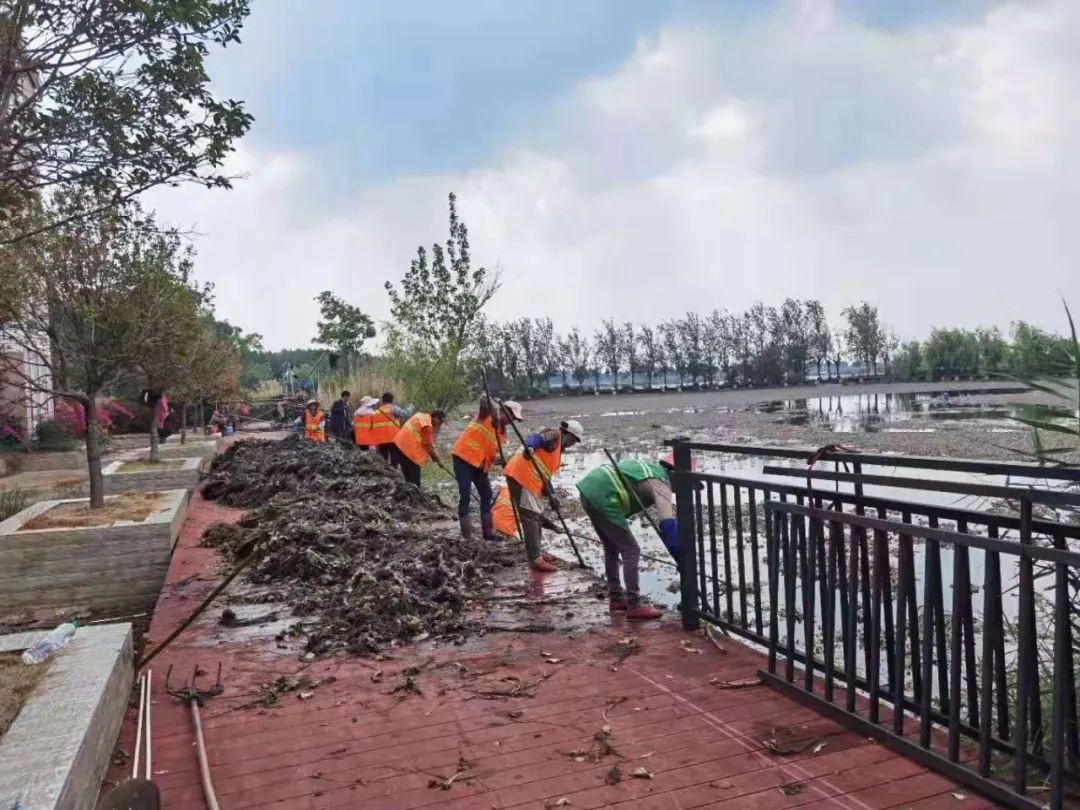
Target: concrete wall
<point>93,572</point>
<point>187,477</point>
<point>57,751</point>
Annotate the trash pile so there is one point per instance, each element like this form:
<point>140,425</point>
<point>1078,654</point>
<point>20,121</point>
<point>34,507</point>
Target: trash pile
<point>365,559</point>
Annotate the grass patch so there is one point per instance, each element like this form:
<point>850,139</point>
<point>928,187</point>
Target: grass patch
<point>17,681</point>
<point>132,506</point>
<point>145,465</point>
<point>13,501</point>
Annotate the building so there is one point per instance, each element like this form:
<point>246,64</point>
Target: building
<point>25,383</point>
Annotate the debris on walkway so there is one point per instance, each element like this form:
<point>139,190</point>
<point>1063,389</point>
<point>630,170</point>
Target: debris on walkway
<point>365,559</point>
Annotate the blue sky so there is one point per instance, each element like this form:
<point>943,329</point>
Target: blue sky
<point>902,151</point>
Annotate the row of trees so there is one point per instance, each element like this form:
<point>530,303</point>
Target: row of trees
<point>764,345</point>
<point>982,352</point>
<point>102,298</point>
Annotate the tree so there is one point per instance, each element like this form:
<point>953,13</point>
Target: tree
<point>609,351</point>
<point>797,335</point>
<point>576,351</point>
<point>185,317</point>
<point>819,337</point>
<point>548,348</point>
<point>692,338</point>
<point>342,327</point>
<point>435,317</point>
<point>88,302</point>
<point>756,321</point>
<point>992,350</point>
<point>718,340</point>
<point>864,334</point>
<point>630,351</point>
<point>652,353</point>
<point>837,349</point>
<point>673,348</point>
<point>528,351</point>
<point>908,361</point>
<point>112,97</point>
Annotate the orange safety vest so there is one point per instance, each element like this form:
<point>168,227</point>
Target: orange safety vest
<point>503,513</point>
<point>410,439</point>
<point>477,444</point>
<point>362,432</point>
<point>523,471</point>
<point>313,427</point>
<point>384,427</point>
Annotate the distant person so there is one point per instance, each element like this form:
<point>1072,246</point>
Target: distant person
<point>313,421</point>
<point>161,414</point>
<point>361,421</point>
<point>473,455</point>
<point>608,504</point>
<point>528,487</point>
<point>339,417</point>
<point>386,422</point>
<point>414,444</point>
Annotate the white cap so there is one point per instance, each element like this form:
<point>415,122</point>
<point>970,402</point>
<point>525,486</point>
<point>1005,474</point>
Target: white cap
<point>313,402</point>
<point>514,408</point>
<point>367,402</point>
<point>573,426</point>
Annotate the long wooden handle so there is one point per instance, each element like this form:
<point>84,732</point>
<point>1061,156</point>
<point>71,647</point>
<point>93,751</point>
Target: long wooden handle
<point>204,765</point>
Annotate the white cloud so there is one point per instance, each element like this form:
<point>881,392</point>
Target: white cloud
<point>929,170</point>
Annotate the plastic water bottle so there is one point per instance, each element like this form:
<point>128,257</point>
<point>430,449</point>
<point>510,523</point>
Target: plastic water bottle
<point>45,646</point>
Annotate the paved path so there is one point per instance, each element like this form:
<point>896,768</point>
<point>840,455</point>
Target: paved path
<point>512,719</point>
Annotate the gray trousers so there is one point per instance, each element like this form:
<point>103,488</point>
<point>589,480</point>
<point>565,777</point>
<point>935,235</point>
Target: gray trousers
<point>531,525</point>
<point>620,548</point>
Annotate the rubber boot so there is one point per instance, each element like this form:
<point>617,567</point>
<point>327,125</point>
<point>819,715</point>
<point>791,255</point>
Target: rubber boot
<point>487,526</point>
<point>617,604</point>
<point>467,528</point>
<point>643,611</point>
<point>543,566</point>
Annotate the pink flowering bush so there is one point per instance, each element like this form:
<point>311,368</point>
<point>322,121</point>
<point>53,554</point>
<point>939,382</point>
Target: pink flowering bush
<point>109,414</point>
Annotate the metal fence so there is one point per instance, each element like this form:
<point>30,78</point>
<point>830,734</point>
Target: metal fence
<point>944,632</point>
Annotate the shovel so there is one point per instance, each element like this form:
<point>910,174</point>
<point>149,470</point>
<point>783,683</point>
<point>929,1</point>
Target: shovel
<point>137,793</point>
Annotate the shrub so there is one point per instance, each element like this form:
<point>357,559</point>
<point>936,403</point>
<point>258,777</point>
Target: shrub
<point>56,434</point>
<point>11,435</point>
<point>111,416</point>
<point>13,501</point>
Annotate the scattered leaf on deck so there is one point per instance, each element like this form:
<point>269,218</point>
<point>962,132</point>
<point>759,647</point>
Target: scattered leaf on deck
<point>791,788</point>
<point>642,773</point>
<point>737,683</point>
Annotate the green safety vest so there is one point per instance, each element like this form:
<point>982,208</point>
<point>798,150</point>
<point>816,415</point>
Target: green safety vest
<point>604,490</point>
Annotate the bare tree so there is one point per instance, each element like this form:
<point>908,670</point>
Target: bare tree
<point>671,333</point>
<point>578,356</point>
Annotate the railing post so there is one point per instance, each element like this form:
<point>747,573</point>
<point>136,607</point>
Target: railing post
<point>684,511</point>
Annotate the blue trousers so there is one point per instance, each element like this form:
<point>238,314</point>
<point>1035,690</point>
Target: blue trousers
<point>467,475</point>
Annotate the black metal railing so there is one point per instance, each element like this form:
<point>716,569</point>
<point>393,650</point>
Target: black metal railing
<point>873,597</point>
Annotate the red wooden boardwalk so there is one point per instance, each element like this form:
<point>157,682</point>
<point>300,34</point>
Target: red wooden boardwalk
<point>351,743</point>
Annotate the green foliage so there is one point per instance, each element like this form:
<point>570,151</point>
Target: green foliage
<point>91,297</point>
<point>343,327</point>
<point>55,434</point>
<point>113,97</point>
<point>907,363</point>
<point>1055,427</point>
<point>865,336</point>
<point>433,339</point>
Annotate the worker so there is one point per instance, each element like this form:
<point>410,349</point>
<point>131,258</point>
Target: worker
<point>314,421</point>
<point>474,452</point>
<point>528,484</point>
<point>415,444</point>
<point>339,417</point>
<point>502,514</point>
<point>386,423</point>
<point>361,421</point>
<point>608,504</point>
